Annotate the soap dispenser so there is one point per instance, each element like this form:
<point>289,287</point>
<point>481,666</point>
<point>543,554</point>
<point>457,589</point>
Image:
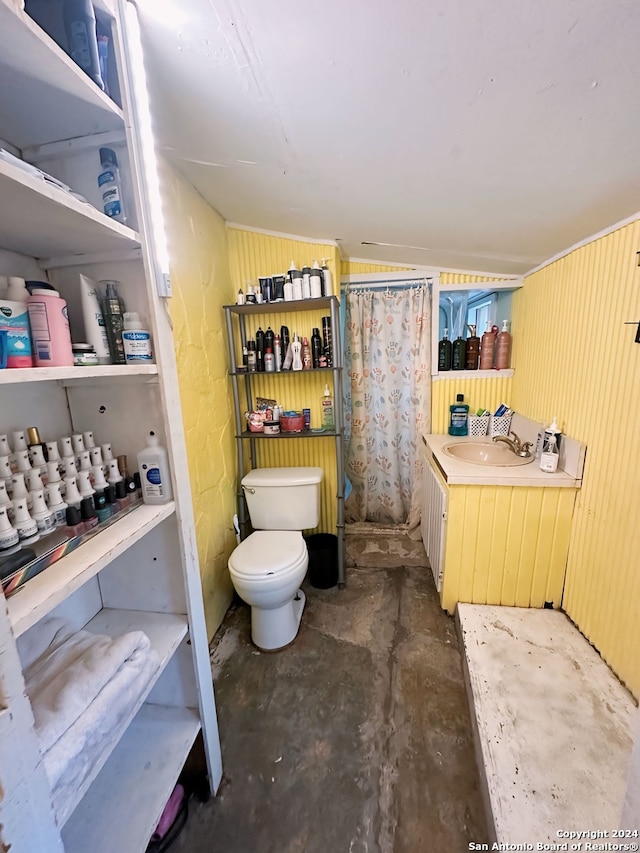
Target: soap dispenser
<point>503,347</point>
<point>473,349</point>
<point>487,347</point>
<point>459,358</point>
<point>444,352</point>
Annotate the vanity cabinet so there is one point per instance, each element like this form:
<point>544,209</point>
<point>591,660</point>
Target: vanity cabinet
<point>497,542</point>
<point>141,572</point>
<point>297,389</point>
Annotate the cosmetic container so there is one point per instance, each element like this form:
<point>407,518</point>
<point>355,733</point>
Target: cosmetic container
<point>74,525</point>
<point>41,514</point>
<point>9,536</point>
<point>88,514</point>
<point>27,528</point>
<point>122,498</point>
<point>56,504</point>
<point>72,495</point>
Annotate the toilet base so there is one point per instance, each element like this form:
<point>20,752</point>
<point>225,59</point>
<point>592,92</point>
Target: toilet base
<point>272,630</point>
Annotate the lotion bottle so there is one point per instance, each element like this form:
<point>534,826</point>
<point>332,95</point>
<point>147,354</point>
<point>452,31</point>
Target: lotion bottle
<point>549,458</point>
<point>154,472</point>
<point>296,347</point>
<point>473,350</point>
<point>503,347</point>
<point>487,346</point>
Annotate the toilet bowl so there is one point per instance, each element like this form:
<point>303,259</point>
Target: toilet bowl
<point>266,571</point>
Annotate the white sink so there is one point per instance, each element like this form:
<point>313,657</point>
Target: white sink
<point>484,453</point>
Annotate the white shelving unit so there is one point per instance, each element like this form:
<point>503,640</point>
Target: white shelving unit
<point>141,572</point>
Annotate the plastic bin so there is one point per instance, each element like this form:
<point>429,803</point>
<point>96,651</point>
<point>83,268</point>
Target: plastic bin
<point>323,559</point>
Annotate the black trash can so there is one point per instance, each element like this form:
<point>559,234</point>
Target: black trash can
<point>323,559</point>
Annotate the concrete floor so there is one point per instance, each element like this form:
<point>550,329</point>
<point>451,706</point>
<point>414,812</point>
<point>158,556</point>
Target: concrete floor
<point>357,738</point>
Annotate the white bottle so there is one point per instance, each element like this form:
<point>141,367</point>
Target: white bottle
<point>327,284</point>
<point>16,290</point>
<point>19,443</point>
<point>72,495</point>
<point>549,458</point>
<point>136,340</point>
<point>296,348</point>
<point>53,454</point>
<point>57,506</point>
<point>549,432</point>
<point>96,456</point>
<point>89,441</point>
<point>34,480</point>
<point>67,447</point>
<point>23,463</point>
<point>154,472</point>
<point>84,484</point>
<point>27,528</point>
<point>9,537</point>
<point>5,471</point>
<point>77,442</point>
<point>41,514</point>
<point>69,467</point>
<point>114,474</point>
<point>5,450</point>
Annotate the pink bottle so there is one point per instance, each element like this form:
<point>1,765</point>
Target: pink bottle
<point>49,323</point>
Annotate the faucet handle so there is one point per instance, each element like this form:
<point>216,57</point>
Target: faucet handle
<point>517,438</point>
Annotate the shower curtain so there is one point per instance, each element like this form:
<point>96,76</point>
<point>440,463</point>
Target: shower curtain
<point>387,401</point>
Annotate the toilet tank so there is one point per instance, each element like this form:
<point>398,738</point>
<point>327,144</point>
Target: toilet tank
<point>283,498</point>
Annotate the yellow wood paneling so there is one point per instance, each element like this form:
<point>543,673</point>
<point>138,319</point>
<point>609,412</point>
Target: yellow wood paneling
<point>574,357</point>
<point>465,278</point>
<point>360,268</point>
<point>506,545</point>
<point>252,255</point>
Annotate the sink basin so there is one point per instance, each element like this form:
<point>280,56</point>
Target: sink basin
<point>484,453</point>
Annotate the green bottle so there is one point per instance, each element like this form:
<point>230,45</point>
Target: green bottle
<point>459,354</point>
<point>444,352</point>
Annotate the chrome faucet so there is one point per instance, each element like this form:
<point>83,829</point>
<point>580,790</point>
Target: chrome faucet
<point>515,444</point>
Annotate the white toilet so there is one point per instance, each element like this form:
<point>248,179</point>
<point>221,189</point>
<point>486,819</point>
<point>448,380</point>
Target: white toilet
<point>268,567</point>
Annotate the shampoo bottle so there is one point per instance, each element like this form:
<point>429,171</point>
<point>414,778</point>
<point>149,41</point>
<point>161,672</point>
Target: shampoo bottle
<point>154,472</point>
<point>114,322</point>
<point>549,458</point>
<point>94,327</point>
<point>473,350</point>
<point>459,357</point>
<point>110,186</point>
<point>327,283</point>
<point>487,346</point>
<point>459,417</point>
<point>296,347</point>
<point>503,347</point>
<point>444,352</point>
<point>136,340</point>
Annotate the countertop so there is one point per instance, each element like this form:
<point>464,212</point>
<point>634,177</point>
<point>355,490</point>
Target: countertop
<point>456,472</point>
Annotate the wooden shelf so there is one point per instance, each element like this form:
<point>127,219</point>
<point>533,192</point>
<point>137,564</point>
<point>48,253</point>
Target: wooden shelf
<point>45,96</point>
<point>38,219</point>
<point>48,589</point>
<point>76,374</point>
<point>165,632</point>
<point>122,807</point>
<point>284,307</point>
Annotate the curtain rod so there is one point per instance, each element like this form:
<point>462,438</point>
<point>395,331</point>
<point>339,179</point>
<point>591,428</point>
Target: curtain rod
<point>410,283</point>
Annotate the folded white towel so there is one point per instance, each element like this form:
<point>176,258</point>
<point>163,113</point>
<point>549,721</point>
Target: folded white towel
<point>82,686</point>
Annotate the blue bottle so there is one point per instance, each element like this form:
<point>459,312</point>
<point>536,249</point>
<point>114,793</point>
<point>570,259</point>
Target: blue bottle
<point>459,417</point>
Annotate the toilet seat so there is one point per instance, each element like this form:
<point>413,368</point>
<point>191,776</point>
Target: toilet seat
<point>268,553</point>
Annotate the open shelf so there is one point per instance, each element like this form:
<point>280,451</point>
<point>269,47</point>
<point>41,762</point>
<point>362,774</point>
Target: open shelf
<point>52,586</point>
<point>75,374</point>
<point>473,374</point>
<point>323,302</point>
<point>122,807</point>
<point>39,219</point>
<point>165,632</point>
<point>45,96</point>
<point>306,433</point>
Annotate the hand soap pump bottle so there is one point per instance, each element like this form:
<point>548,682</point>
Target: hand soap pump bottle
<point>503,347</point>
<point>459,358</point>
<point>549,459</point>
<point>487,346</point>
<point>459,417</point>
<point>444,352</point>
<point>473,350</point>
<point>154,472</point>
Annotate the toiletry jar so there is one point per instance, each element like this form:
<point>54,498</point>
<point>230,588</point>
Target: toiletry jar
<point>292,422</point>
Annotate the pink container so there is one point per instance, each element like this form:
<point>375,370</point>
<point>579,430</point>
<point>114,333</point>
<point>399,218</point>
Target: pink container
<point>49,321</point>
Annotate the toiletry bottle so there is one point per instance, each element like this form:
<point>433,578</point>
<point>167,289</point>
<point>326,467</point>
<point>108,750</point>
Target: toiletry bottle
<point>136,340</point>
<point>250,298</point>
<point>296,281</point>
<point>252,361</point>
<point>95,455</point>
<point>38,462</point>
<point>5,472</point>
<point>110,185</point>
<point>327,340</point>
<point>103,511</point>
<point>9,536</point>
<point>82,40</point>
<point>277,353</point>
<point>288,290</point>
<point>114,322</point>
<point>122,497</point>
<point>327,283</point>
<point>85,460</point>
<point>473,349</point>
<point>269,361</point>
<point>95,332</point>
<point>5,500</point>
<point>14,320</point>
<point>53,474</point>
<point>53,454</point>
<point>459,417</point>
<point>71,494</point>
<point>316,348</point>
<point>305,354</point>
<point>296,347</point>
<point>69,467</point>
<point>77,442</point>
<point>306,282</point>
<point>19,444</point>
<point>27,528</point>
<point>503,347</point>
<point>74,526</point>
<point>66,443</point>
<point>260,350</point>
<point>84,484</point>
<point>56,504</point>
<point>114,475</point>
<point>34,441</point>
<point>49,322</point>
<point>110,498</point>
<point>459,353</point>
<point>89,440</point>
<point>269,339</point>
<point>328,413</point>
<point>88,514</point>
<point>316,281</point>
<point>41,514</point>
<point>240,297</point>
<point>284,341</point>
<point>487,346</point>
<point>5,449</point>
<point>154,472</point>
<point>33,480</point>
<point>549,457</point>
<point>444,352</point>
<point>23,463</point>
<point>550,432</point>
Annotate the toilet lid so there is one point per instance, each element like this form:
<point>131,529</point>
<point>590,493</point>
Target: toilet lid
<point>268,552</point>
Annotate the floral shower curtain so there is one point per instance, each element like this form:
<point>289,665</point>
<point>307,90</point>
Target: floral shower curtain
<point>388,401</point>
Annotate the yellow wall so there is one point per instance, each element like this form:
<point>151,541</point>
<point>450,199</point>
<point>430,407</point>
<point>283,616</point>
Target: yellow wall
<point>201,285</point>
<point>251,255</point>
<point>574,357</point>
<point>361,268</point>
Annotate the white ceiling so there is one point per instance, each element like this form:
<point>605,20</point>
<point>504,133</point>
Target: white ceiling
<point>490,135</point>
